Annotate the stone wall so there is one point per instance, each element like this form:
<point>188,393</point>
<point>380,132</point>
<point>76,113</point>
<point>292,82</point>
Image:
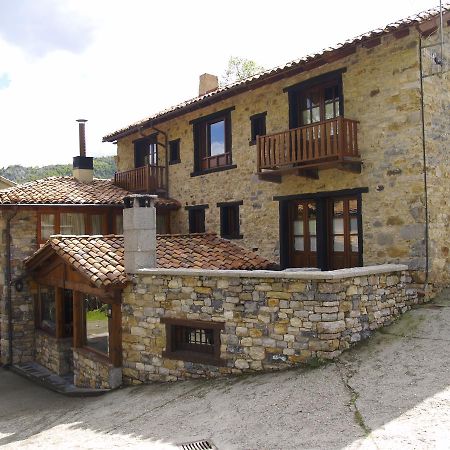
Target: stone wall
<point>437,138</point>
<point>381,90</point>
<point>55,354</point>
<point>272,320</point>
<point>94,371</point>
<point>24,243</point>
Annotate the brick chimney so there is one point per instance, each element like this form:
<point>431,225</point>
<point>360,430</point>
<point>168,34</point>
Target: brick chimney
<point>207,83</point>
<point>139,232</point>
<point>83,166</point>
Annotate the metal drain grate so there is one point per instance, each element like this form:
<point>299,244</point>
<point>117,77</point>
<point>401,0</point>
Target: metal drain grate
<point>198,445</point>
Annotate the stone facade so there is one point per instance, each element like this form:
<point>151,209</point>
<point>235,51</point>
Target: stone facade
<point>94,371</point>
<point>272,320</point>
<point>381,88</point>
<point>23,244</point>
<point>55,354</point>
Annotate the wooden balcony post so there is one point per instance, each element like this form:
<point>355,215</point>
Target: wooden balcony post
<point>341,137</point>
<point>258,153</point>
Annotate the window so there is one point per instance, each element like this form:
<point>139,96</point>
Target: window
<point>72,223</point>
<point>174,152</point>
<point>212,142</point>
<point>146,151</point>
<point>118,223</point>
<point>47,309</point>
<point>96,330</point>
<point>257,126</point>
<point>229,220</point>
<point>191,340</point>
<point>76,223</point>
<point>162,223</point>
<point>197,220</point>
<point>97,224</point>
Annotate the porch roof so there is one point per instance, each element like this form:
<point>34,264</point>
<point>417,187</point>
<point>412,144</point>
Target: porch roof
<point>100,258</point>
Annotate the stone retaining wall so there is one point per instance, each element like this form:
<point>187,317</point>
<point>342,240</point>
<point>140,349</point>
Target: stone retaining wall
<point>93,371</point>
<point>272,320</point>
<point>55,354</point>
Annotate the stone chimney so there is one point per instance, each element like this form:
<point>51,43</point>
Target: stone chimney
<point>83,166</point>
<point>207,83</point>
<point>139,232</point>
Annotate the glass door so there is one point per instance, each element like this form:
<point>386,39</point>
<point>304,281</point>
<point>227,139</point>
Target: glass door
<point>303,234</point>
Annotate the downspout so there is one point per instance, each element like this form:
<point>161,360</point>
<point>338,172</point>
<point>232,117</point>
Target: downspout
<point>8,287</point>
<point>166,145</point>
<point>424,163</point>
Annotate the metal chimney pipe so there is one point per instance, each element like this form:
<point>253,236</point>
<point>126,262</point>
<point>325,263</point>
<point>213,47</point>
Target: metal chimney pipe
<point>82,135</point>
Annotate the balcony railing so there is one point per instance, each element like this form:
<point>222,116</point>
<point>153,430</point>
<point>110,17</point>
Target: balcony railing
<point>309,147</point>
<point>148,179</point>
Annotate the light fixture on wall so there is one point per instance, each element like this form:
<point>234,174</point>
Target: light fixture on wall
<point>18,285</point>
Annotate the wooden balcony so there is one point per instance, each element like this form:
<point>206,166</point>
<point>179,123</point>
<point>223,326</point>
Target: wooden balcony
<point>305,150</point>
<point>146,179</point>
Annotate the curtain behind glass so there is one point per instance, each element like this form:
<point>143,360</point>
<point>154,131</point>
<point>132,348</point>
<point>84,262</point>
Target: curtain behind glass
<point>72,223</point>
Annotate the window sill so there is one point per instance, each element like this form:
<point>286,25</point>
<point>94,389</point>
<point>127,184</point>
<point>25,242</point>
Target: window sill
<point>93,354</point>
<point>215,169</point>
<point>241,236</point>
<point>176,161</point>
<point>250,143</point>
<point>194,357</point>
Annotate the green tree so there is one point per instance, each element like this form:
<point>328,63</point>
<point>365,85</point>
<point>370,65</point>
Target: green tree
<point>239,69</point>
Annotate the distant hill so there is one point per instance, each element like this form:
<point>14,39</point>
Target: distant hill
<point>104,167</point>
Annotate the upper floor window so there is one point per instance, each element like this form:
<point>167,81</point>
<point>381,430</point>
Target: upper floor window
<point>146,151</point>
<point>174,152</point>
<point>320,103</point>
<point>212,142</point>
<point>230,220</point>
<point>257,126</point>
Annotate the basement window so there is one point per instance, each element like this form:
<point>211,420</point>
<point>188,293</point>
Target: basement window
<point>194,341</point>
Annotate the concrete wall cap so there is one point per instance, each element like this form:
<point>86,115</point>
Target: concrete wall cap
<point>289,274</point>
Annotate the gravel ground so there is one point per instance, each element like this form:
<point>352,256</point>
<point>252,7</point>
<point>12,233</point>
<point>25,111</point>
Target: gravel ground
<point>392,392</point>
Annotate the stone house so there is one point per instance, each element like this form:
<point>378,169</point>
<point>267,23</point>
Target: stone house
<point>318,163</point>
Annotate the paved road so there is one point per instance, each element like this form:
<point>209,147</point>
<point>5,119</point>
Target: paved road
<point>392,392</point>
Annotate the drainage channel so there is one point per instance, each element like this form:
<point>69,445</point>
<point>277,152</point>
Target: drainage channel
<point>198,445</point>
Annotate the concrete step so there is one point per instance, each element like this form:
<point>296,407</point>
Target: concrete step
<point>61,384</point>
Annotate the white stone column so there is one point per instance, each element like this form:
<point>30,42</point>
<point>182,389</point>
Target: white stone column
<point>139,232</point>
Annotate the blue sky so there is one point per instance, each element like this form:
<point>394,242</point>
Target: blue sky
<point>115,62</point>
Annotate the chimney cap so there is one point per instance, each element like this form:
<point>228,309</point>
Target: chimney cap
<point>81,120</point>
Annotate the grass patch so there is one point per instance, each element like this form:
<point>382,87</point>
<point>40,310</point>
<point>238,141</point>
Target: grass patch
<point>96,314</point>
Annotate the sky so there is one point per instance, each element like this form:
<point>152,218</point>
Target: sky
<point>114,62</point>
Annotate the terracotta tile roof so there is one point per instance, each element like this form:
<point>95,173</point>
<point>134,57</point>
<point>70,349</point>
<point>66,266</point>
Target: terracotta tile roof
<point>239,86</point>
<point>100,258</point>
<point>68,190</point>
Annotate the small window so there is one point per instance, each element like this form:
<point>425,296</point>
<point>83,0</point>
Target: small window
<point>174,152</point>
<point>229,220</point>
<point>96,330</point>
<point>118,224</point>
<point>72,224</point>
<point>195,341</point>
<point>47,226</point>
<point>212,142</point>
<point>47,309</point>
<point>97,223</point>
<point>258,126</point>
<point>197,220</point>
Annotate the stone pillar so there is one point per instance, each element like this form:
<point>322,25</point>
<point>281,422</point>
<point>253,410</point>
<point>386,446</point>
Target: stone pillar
<point>139,232</point>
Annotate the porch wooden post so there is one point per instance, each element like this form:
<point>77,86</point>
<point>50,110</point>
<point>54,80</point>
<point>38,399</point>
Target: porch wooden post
<point>77,319</point>
<point>115,335</point>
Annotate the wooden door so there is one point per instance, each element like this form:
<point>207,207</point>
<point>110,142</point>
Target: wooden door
<point>343,232</point>
<point>303,233</point>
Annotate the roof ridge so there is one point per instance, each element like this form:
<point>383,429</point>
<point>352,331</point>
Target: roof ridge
<point>417,17</point>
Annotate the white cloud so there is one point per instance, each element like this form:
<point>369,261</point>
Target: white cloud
<point>119,62</point>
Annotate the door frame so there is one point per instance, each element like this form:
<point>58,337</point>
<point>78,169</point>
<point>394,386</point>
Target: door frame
<point>321,198</point>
